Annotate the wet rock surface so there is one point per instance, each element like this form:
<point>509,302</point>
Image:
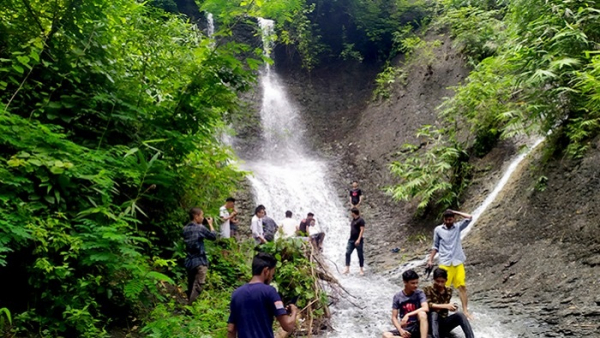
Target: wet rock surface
<point>535,252</point>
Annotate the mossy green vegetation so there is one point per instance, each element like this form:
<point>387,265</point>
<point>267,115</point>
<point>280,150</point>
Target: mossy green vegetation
<point>111,116</point>
<point>535,70</point>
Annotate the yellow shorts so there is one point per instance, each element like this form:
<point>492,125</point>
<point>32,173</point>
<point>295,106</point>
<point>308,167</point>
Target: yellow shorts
<point>456,275</point>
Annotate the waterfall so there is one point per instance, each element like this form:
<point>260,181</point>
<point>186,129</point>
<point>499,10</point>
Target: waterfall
<point>286,177</point>
<point>210,25</point>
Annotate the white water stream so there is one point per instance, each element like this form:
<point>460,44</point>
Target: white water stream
<point>210,25</point>
<point>286,177</point>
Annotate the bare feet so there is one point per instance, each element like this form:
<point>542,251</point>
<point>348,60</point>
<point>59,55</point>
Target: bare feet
<point>362,272</point>
<point>468,315</point>
<point>347,271</point>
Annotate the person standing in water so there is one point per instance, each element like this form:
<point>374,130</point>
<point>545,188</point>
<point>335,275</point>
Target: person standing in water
<point>356,240</point>
<point>447,243</point>
<point>356,195</point>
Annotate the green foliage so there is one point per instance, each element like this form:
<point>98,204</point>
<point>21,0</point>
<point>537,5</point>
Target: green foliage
<point>385,81</point>
<point>110,118</point>
<point>293,26</point>
<point>295,272</point>
<point>477,31</point>
<point>229,269</point>
<point>417,53</point>
<point>437,175</point>
<point>5,320</point>
<point>536,69</point>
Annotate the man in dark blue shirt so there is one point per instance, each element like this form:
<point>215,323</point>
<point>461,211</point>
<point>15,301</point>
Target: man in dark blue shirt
<point>254,305</point>
<point>196,262</point>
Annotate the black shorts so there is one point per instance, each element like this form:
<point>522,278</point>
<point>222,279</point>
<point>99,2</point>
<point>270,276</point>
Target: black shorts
<point>413,328</point>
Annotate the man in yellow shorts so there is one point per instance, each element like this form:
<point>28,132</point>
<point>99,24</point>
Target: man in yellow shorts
<point>447,243</point>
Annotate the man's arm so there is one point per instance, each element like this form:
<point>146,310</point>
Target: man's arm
<point>424,308</point>
<point>435,247</point>
<point>362,230</point>
<point>231,330</point>
<point>395,321</point>
<point>208,234</point>
<point>447,306</point>
<point>462,214</point>
<point>227,218</point>
<point>288,322</point>
<point>360,198</point>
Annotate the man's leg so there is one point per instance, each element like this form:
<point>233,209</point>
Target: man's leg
<point>361,256</point>
<point>349,249</point>
<point>457,319</point>
<point>199,281</point>
<point>191,276</point>
<point>460,284</point>
<point>434,323</point>
<point>423,324</point>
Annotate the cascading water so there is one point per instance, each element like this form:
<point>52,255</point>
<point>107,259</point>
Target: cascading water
<point>210,25</point>
<point>286,177</point>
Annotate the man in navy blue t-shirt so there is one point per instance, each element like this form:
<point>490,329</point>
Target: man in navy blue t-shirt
<point>254,305</point>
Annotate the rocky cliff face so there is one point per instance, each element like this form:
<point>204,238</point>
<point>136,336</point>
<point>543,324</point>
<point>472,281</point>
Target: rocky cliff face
<point>536,252</point>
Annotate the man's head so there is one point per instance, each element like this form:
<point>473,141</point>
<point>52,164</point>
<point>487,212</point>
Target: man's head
<point>355,213</point>
<point>310,216</point>
<point>288,214</point>
<point>229,202</point>
<point>440,277</point>
<point>411,281</point>
<point>448,218</point>
<point>355,184</point>
<point>196,215</point>
<point>260,211</point>
<point>263,265</point>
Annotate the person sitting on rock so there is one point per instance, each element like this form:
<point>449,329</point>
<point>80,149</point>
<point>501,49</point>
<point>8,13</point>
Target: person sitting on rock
<point>316,235</point>
<point>304,224</point>
<point>409,309</point>
<point>438,300</point>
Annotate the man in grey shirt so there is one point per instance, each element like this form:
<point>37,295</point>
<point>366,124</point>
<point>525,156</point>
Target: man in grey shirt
<point>447,243</point>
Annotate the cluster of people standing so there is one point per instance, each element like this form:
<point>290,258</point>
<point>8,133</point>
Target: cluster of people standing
<point>255,305</point>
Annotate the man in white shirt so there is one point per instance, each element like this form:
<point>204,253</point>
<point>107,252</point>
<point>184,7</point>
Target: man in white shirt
<point>257,225</point>
<point>226,216</point>
<point>316,235</point>
<point>289,226</point>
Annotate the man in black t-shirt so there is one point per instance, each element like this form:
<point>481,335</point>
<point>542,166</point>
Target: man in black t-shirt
<point>304,224</point>
<point>356,195</point>
<point>356,240</point>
